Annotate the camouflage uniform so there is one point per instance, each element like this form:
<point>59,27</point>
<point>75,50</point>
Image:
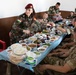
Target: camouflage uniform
<point>70,60</point>
<point>23,23</point>
<point>52,10</point>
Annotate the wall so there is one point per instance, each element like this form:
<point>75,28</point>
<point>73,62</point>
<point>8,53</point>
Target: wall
<point>68,5</point>
<point>9,8</point>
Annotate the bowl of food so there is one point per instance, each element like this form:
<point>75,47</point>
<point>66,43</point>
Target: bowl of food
<point>45,46</point>
<point>33,38</point>
<point>53,38</point>
<point>26,46</point>
<point>41,49</point>
<point>32,45</point>
<point>30,60</point>
<point>22,41</point>
<point>37,53</point>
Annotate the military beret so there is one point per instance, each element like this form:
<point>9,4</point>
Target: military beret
<point>28,6</point>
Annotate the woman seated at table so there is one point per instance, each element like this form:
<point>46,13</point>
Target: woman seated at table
<point>58,65</point>
<point>25,25</point>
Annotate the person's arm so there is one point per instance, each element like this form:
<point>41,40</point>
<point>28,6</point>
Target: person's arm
<point>52,54</point>
<point>70,44</point>
<point>61,29</point>
<point>63,69</point>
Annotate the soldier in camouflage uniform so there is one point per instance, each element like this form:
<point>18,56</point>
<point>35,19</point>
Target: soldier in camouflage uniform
<point>25,25</point>
<point>53,11</point>
<point>58,65</point>
<point>46,21</point>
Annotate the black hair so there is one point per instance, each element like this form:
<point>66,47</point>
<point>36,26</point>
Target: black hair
<point>58,3</point>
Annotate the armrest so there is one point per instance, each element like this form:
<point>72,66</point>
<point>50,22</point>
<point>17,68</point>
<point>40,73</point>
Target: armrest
<point>3,44</point>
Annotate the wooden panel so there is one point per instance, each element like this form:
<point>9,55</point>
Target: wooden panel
<point>65,14</point>
<point>5,27</point>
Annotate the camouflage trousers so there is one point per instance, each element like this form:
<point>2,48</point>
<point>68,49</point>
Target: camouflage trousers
<point>52,61</point>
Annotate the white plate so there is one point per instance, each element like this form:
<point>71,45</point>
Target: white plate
<point>20,51</point>
<point>11,54</point>
<point>31,54</point>
<point>16,45</point>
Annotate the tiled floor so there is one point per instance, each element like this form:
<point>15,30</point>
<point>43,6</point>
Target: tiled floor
<point>14,69</point>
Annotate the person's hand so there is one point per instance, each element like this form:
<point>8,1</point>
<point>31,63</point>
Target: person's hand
<point>61,29</point>
<point>54,53</point>
<point>61,50</point>
<point>50,54</point>
<point>64,54</point>
<point>26,31</point>
<point>65,46</point>
<point>50,24</point>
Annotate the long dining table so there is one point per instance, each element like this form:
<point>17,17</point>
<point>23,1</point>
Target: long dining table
<point>4,55</point>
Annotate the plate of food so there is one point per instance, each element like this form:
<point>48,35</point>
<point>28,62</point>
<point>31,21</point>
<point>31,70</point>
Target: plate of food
<point>14,56</point>
<point>20,51</point>
<point>16,45</point>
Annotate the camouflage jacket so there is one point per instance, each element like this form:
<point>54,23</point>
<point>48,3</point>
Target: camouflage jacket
<point>71,59</point>
<point>52,10</point>
<point>23,23</point>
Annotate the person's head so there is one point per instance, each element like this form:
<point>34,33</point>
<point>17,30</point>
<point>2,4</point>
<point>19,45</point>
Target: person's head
<point>57,5</point>
<point>45,16</point>
<point>74,33</point>
<point>71,13</point>
<point>59,12</point>
<point>74,22</point>
<point>30,10</point>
